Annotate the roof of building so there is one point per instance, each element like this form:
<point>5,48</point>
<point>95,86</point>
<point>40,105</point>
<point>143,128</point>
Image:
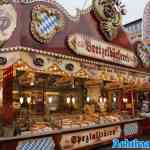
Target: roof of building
<point>133,22</point>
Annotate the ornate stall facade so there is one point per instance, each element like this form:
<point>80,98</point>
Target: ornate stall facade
<point>38,37</point>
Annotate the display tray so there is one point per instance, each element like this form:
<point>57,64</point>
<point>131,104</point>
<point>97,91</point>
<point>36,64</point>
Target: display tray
<point>43,133</point>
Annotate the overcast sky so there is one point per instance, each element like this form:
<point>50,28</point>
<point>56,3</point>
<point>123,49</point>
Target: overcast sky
<point>135,8</point>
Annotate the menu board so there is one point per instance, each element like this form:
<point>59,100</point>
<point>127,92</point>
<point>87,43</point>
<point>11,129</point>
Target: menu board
<point>90,47</point>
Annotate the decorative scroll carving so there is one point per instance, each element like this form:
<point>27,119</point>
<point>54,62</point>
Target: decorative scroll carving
<point>109,13</point>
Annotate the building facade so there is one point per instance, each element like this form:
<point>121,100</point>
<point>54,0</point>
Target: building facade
<point>134,29</point>
<point>146,23</point>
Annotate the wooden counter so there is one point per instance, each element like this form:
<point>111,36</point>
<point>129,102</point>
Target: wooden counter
<point>75,138</point>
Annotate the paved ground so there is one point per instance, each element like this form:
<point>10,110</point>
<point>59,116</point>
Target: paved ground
<point>109,147</point>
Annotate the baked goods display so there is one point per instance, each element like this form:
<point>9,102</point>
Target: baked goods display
<point>87,120</point>
<point>75,121</point>
<point>65,121</point>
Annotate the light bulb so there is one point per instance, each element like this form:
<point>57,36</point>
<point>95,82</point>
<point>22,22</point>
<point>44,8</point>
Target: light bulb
<point>68,100</point>
<point>125,100</point>
<point>26,67</point>
<point>55,68</point>
<point>73,100</point>
<point>88,99</point>
<point>28,100</point>
<point>105,99</point>
<point>32,83</point>
<point>114,99</point>
<point>21,100</point>
<point>50,99</point>
<point>100,99</point>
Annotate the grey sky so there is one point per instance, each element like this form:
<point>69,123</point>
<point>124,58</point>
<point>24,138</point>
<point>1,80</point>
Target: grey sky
<point>135,8</point>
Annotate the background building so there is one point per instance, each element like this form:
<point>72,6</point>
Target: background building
<point>146,24</point>
<point>140,29</point>
<point>134,29</point>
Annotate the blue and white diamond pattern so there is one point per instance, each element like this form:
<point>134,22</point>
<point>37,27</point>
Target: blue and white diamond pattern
<point>131,129</point>
<point>37,144</point>
<point>48,23</point>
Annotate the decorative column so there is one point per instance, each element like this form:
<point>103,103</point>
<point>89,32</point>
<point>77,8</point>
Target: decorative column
<point>133,103</point>
<point>109,101</point>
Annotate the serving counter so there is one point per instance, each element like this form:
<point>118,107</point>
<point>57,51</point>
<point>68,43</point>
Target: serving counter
<point>74,138</point>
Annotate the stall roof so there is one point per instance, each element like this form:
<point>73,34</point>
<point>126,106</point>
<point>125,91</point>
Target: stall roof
<point>86,24</point>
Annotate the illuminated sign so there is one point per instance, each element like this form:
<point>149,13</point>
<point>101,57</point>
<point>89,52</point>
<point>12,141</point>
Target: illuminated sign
<point>85,138</point>
<point>90,47</point>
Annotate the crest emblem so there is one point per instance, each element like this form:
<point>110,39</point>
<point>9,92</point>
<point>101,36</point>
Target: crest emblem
<point>109,13</point>
<point>46,22</point>
<point>8,21</point>
<point>38,61</point>
<point>143,53</point>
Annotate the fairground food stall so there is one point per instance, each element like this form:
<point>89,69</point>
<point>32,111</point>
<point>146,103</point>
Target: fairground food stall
<point>69,82</point>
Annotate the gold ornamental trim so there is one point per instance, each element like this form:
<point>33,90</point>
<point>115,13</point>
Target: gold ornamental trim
<point>62,56</point>
<point>109,14</point>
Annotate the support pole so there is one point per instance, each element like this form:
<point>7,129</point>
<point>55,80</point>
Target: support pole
<point>132,99</point>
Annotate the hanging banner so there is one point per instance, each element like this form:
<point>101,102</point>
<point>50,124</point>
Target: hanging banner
<point>90,47</point>
<point>85,138</point>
